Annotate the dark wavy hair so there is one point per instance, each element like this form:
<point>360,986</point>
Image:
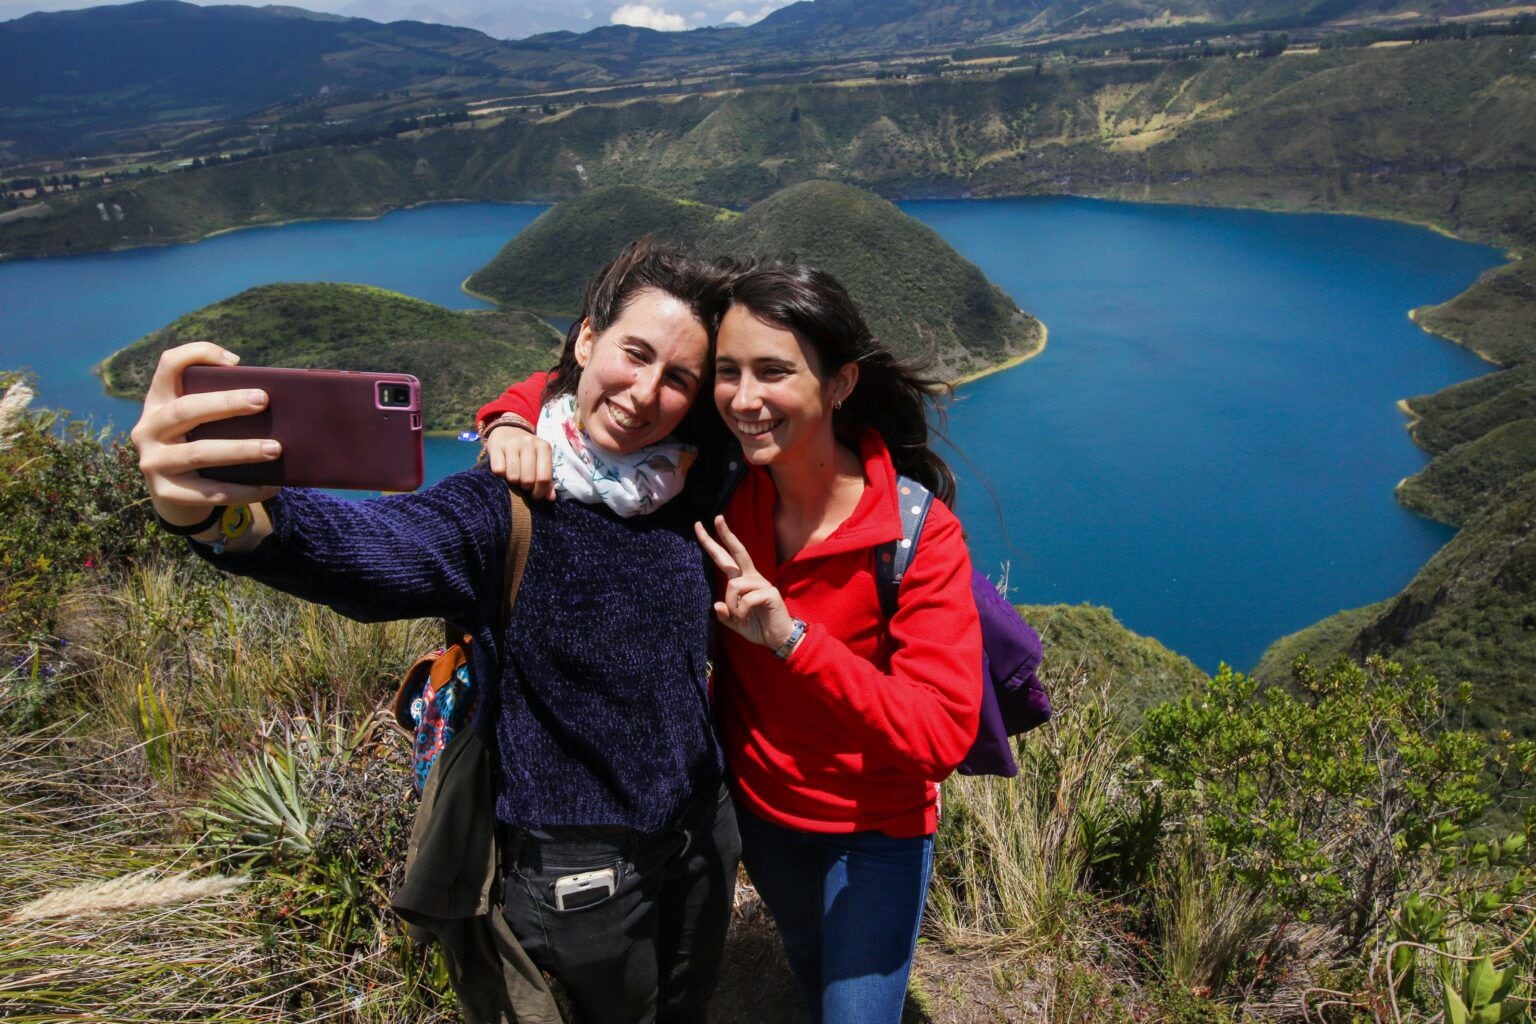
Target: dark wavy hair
<point>643,264</point>
<point>892,396</point>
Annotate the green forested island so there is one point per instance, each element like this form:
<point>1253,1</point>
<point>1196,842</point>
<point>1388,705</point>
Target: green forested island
<point>462,359</point>
<point>919,295</point>
<point>927,301</point>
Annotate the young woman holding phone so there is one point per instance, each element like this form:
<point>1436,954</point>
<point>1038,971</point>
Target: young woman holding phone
<point>837,721</point>
<point>607,764</point>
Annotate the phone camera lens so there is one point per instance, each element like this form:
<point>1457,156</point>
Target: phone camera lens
<point>394,395</point>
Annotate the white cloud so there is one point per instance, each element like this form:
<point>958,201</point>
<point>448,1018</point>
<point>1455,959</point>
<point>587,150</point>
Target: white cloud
<point>646,16</point>
<point>740,17</point>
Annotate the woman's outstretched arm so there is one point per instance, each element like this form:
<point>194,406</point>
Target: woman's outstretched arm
<point>436,553</point>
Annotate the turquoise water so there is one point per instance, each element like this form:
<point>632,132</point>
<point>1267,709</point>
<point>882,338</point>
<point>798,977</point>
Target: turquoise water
<point>61,316</point>
<point>1208,445</point>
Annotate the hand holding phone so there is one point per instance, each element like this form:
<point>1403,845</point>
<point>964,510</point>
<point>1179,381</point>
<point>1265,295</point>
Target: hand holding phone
<point>170,462</point>
<point>336,428</point>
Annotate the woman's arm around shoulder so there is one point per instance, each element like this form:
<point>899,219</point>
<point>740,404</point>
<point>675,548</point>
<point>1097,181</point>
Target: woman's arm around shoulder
<point>506,426</point>
<point>523,399</point>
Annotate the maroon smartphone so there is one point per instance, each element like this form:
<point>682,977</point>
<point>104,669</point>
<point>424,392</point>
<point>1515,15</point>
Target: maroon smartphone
<point>338,428</point>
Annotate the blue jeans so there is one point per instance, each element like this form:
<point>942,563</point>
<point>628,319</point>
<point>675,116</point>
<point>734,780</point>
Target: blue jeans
<point>848,908</point>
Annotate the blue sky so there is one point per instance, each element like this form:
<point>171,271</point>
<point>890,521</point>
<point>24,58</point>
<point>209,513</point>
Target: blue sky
<point>509,19</point>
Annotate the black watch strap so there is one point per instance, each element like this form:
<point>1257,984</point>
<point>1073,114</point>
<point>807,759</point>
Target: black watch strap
<point>177,530</point>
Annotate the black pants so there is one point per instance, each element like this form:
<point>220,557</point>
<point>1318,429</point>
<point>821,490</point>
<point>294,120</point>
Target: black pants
<point>652,950</point>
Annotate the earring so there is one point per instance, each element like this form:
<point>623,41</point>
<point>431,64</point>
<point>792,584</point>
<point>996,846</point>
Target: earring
<point>837,404</point>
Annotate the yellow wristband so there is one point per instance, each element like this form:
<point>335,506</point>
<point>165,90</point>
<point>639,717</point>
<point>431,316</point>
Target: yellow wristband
<point>235,522</point>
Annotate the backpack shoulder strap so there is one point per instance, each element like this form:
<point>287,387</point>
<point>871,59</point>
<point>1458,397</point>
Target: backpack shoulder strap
<point>519,541</point>
<point>735,471</point>
<point>893,557</point>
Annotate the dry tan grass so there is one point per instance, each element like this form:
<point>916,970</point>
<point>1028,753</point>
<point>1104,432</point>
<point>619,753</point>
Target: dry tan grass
<point>136,891</point>
<point>1011,852</point>
<point>13,405</point>
<point>108,917</point>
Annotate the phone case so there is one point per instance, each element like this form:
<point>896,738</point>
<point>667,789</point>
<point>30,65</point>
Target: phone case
<point>585,889</point>
<point>334,428</point>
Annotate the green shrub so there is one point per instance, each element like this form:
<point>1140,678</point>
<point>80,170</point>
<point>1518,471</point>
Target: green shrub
<point>1328,801</point>
<point>73,513</point>
<point>72,505</point>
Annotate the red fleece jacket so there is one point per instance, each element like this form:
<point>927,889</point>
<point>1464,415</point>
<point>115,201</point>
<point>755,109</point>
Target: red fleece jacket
<point>852,732</point>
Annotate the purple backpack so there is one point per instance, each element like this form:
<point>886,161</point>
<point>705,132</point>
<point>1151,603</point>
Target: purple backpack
<point>1012,701</point>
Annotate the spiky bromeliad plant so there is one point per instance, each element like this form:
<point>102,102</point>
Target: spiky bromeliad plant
<point>320,810</point>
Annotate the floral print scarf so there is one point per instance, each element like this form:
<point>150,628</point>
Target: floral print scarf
<point>632,485</point>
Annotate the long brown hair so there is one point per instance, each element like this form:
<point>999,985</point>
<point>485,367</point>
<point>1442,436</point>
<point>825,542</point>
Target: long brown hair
<point>892,397</point>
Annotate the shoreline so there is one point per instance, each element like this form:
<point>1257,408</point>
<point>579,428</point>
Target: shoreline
<point>1006,364</point>
<point>105,376</point>
<point>1413,314</point>
<point>1510,253</point>
<point>358,217</point>
<point>467,290</point>
<point>7,257</point>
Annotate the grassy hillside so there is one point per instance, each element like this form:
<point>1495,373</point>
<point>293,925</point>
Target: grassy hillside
<point>1443,132</point>
<point>205,816</point>
<point>1466,411</point>
<point>1483,431</point>
<point>1492,318</point>
<point>918,294</point>
<point>1467,615</point>
<point>1138,671</point>
<point>1471,476</point>
<point>462,359</point>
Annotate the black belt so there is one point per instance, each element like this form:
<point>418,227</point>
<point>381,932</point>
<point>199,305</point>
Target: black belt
<point>518,841</point>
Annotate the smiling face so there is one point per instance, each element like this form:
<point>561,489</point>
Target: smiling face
<point>640,375</point>
<point>772,392</point>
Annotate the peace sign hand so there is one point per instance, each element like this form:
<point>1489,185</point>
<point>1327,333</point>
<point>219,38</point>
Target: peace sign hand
<point>751,605</point>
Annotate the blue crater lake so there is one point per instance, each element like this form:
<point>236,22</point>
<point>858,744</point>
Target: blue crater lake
<point>1208,445</point>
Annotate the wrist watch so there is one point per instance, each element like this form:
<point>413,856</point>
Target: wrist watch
<point>785,649</point>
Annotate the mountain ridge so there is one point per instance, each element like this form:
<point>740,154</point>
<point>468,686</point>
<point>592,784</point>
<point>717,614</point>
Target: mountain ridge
<point>1304,133</point>
<point>107,71</point>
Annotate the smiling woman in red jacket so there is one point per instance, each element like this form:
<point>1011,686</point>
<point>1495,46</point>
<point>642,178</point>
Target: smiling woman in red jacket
<point>837,721</point>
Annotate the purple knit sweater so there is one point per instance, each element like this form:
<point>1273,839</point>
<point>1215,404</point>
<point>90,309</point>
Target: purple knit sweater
<point>602,712</point>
